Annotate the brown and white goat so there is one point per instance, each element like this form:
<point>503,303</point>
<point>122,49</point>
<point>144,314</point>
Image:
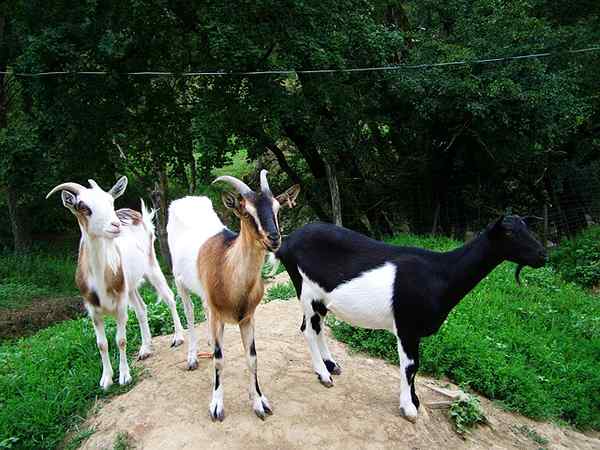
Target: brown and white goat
<point>116,252</point>
<point>224,269</point>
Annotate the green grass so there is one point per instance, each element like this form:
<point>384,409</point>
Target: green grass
<point>280,291</point>
<point>535,348</point>
<point>578,259</point>
<point>39,274</point>
<point>48,381</point>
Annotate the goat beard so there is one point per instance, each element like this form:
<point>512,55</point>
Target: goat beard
<point>518,273</point>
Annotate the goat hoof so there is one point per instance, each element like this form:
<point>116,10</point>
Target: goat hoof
<point>144,354</point>
<point>124,378</point>
<point>327,382</point>
<point>267,409</point>
<point>409,413</point>
<point>217,414</point>
<point>106,382</point>
<point>333,367</point>
<point>176,342</point>
<point>192,364</point>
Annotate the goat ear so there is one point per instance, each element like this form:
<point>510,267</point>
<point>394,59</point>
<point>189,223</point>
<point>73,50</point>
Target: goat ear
<point>119,188</point>
<point>69,200</point>
<point>289,196</point>
<point>230,200</point>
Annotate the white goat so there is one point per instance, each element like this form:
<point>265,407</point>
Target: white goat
<point>116,252</point>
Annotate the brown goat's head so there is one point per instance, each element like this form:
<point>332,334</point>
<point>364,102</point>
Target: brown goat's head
<point>259,210</point>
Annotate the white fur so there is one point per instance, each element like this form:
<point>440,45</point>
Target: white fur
<point>109,245</point>
<point>192,221</point>
<point>364,301</point>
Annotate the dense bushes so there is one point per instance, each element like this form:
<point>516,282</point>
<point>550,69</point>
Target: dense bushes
<point>536,348</point>
<point>578,259</point>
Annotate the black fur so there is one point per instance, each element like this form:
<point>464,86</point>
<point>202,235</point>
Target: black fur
<point>257,386</point>
<point>303,326</point>
<point>427,284</point>
<point>252,349</point>
<point>319,308</point>
<point>330,365</point>
<point>217,353</point>
<point>217,382</point>
<point>315,321</point>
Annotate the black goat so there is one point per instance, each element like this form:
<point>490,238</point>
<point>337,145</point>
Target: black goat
<point>408,291</point>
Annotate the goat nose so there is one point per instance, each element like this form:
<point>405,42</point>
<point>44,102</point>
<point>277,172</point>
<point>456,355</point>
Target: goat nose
<point>273,237</point>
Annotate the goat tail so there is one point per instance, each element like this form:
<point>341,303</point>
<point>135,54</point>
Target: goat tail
<point>148,217</point>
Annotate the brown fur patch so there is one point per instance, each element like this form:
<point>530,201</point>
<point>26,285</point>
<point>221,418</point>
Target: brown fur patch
<point>129,216</point>
<point>89,295</point>
<point>115,282</point>
<point>230,274</point>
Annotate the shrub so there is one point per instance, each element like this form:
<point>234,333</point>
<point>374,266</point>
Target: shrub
<point>280,291</point>
<point>578,259</point>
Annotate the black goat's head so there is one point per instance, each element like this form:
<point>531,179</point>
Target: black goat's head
<point>516,242</point>
<point>259,210</point>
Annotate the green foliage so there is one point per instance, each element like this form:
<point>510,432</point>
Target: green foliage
<point>466,413</point>
<point>122,441</point>
<point>23,277</point>
<point>48,381</point>
<point>578,259</point>
<point>535,348</point>
<point>280,291</point>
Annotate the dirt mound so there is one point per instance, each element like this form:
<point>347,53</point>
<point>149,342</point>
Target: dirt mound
<point>168,408</point>
<point>40,314</point>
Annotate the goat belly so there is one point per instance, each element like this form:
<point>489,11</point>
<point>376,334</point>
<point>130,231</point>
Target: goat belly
<point>366,301</point>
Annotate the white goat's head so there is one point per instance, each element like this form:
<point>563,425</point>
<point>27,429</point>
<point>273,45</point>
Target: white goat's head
<point>93,207</point>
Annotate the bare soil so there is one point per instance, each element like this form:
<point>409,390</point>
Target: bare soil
<point>40,314</point>
<point>168,408</point>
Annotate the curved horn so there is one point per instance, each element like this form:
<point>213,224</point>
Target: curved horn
<point>75,188</point>
<point>93,184</point>
<point>264,184</point>
<point>240,186</point>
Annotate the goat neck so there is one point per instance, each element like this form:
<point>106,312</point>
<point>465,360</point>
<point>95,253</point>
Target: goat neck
<point>245,256</point>
<point>467,266</point>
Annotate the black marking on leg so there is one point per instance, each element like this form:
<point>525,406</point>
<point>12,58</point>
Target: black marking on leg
<point>256,386</point>
<point>217,382</point>
<point>410,372</point>
<point>218,354</point>
<point>319,308</point>
<point>332,367</point>
<point>315,321</point>
<point>303,326</point>
<point>252,349</point>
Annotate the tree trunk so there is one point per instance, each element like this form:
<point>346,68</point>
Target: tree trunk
<point>159,202</point>
<point>20,230</point>
<point>336,204</point>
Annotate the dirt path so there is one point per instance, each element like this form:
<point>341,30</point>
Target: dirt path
<point>168,408</point>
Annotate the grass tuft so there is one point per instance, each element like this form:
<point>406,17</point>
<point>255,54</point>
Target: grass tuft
<point>280,291</point>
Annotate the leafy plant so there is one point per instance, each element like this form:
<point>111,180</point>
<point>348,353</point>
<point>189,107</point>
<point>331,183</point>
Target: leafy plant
<point>280,291</point>
<point>466,413</point>
<point>578,259</point>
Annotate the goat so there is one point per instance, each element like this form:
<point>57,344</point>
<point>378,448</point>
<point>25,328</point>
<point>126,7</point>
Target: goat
<point>224,269</point>
<point>116,251</point>
<point>408,291</point>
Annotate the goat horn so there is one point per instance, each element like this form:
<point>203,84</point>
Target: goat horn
<point>264,184</point>
<point>518,273</point>
<point>240,186</point>
<point>75,188</point>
